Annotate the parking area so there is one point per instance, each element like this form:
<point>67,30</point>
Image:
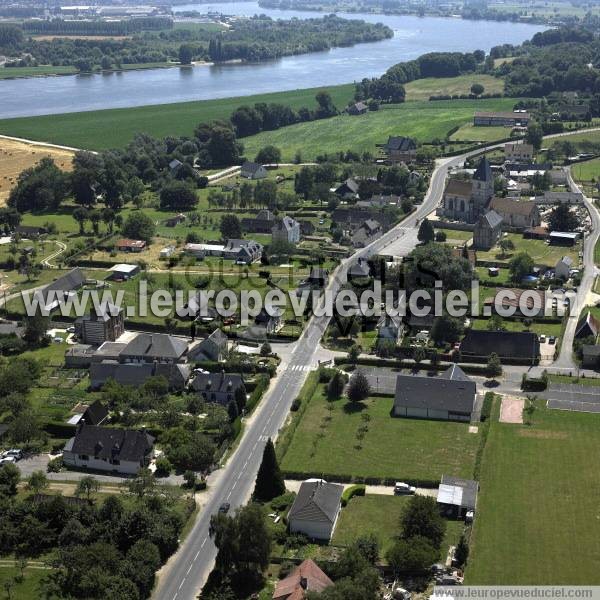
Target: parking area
<point>565,396</point>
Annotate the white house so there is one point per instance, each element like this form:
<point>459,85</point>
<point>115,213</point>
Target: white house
<point>286,230</point>
<point>316,508</point>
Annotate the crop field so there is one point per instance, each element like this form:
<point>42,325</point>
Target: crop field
<point>469,133</point>
<point>115,128</point>
<point>15,157</point>
<point>421,89</point>
<point>537,516</point>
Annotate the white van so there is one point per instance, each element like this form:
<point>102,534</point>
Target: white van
<point>401,489</point>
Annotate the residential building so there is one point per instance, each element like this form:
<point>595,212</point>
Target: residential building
<point>167,251</point>
<point>349,218</point>
<point>448,397</point>
<point>533,301</point>
<point>369,231</point>
<point>587,327</point>
<point>79,356</point>
<point>518,152</point>
<point>243,251</point>
<point>347,189</point>
<point>563,267</point>
<point>94,414</point>
<point>135,374</point>
<point>316,508</point>
<point>123,271</point>
<point>57,291</point>
<point>488,230</point>
<point>390,330</point>
<point>358,108</point>
<point>550,197</point>
<point>563,238</point>
<point>262,223</point>
<point>590,356</point>
<point>286,230</point>
<point>270,319</point>
<point>305,578</point>
<point>29,231</point>
<point>520,347</point>
<point>515,213</point>
<point>122,451</point>
<point>218,387</point>
<point>457,496</point>
<point>174,166</point>
<point>380,201</point>
<point>359,269</point>
<point>105,323</point>
<point>213,347</point>
<point>154,347</point>
<point>400,149</point>
<point>501,119</point>
<point>307,227</point>
<point>175,220</point>
<point>202,250</point>
<point>127,245</point>
<point>252,170</point>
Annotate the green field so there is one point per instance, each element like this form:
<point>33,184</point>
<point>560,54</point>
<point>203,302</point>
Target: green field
<point>26,589</point>
<point>455,235</point>
<point>537,517</point>
<point>325,441</point>
<point>35,71</point>
<point>469,133</point>
<point>114,128</point>
<point>587,171</point>
<point>424,121</point>
<point>421,89</point>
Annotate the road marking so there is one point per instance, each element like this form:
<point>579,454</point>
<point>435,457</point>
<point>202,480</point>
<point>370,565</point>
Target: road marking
<point>204,542</point>
<point>189,568</point>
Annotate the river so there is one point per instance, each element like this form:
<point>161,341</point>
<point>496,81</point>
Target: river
<point>413,36</point>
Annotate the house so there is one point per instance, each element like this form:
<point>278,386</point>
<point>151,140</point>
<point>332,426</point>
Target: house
<point>587,327</point>
<point>457,496</point>
<point>517,152</point>
<point>174,165</point>
<point>218,387</point>
<point>370,230</point>
<point>515,213</point>
<point>563,238</point>
<point>349,218</point>
<point>590,356</point>
<point>390,330</point>
<point>347,189</point>
<point>54,293</point>
<point>175,220</point>
<point>519,347</point>
<point>358,108</point>
<point>202,250</point>
<point>79,356</point>
<point>242,251</point>
<point>419,322</point>
<point>533,300</point>
<point>252,170</point>
<point>95,414</point>
<point>154,347</point>
<point>307,227</point>
<point>536,233</point>
<point>127,245</point>
<point>448,397</point>
<point>105,323</point>
<point>318,277</point>
<point>29,231</point>
<point>400,149</point>
<point>465,200</point>
<point>305,578</point>
<point>563,267</point>
<point>558,176</point>
<point>286,230</point>
<point>167,251</point>
<point>501,119</point>
<point>550,197</point>
<point>359,269</point>
<point>270,319</point>
<point>124,271</point>
<point>380,201</point>
<point>262,223</point>
<point>213,347</point>
<point>135,374</point>
<point>523,171</point>
<point>123,451</point>
<point>488,230</point>
<point>316,508</point>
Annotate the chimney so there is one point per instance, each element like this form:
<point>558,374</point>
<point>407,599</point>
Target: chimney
<point>304,583</point>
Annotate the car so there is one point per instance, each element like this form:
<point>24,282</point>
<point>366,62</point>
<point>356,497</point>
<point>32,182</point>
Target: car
<point>552,340</point>
<point>401,489</point>
<point>542,338</point>
<point>57,340</point>
<point>224,508</point>
<point>17,453</point>
<point>71,330</point>
<point>8,460</point>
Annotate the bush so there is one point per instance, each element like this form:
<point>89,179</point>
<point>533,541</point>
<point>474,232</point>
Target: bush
<point>281,503</point>
<point>163,467</point>
<point>353,490</point>
<point>296,405</point>
<point>55,465</point>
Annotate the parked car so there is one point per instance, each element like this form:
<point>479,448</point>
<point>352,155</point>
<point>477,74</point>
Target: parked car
<point>224,508</point>
<point>552,340</point>
<point>16,453</point>
<point>542,338</point>
<point>401,489</point>
<point>8,460</point>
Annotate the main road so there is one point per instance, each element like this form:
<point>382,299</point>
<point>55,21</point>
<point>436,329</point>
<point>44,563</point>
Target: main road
<point>184,575</point>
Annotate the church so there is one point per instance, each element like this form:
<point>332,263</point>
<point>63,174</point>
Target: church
<point>467,200</point>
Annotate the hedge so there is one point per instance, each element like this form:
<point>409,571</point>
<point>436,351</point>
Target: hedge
<point>353,490</point>
<point>347,478</point>
<point>261,385</point>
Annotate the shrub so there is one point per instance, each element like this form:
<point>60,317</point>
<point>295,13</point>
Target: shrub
<point>163,467</point>
<point>296,404</point>
<point>55,465</point>
<point>353,490</point>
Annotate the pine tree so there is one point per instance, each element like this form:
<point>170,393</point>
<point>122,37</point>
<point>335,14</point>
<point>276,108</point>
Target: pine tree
<point>426,233</point>
<point>358,387</point>
<point>462,551</point>
<point>269,481</point>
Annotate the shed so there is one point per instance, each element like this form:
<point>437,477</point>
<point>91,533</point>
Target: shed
<point>124,271</point>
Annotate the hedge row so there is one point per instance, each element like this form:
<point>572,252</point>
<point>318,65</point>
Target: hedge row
<point>353,490</point>
<point>261,385</point>
<point>345,478</point>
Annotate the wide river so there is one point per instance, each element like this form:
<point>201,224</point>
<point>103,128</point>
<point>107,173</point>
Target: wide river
<point>413,36</point>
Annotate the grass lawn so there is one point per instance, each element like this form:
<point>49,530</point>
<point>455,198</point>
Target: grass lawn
<point>454,235</point>
<point>469,133</point>
<point>422,89</point>
<point>11,72</point>
<point>537,517</point>
<point>541,252</point>
<point>591,381</point>
<point>29,587</point>
<point>114,128</point>
<point>424,121</point>
<point>538,327</point>
<point>503,277</point>
<point>586,171</point>
<point>325,441</point>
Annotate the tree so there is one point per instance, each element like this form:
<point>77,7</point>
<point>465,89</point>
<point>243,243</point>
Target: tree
<point>358,387</point>
<point>142,484</point>
<point>230,227</point>
<point>562,219</point>
<point>336,385</point>
<point>37,482</point>
<point>446,329</point>
<point>426,232</point>
<point>326,106</point>
<point>477,89</point>
<point>87,486</point>
<point>461,554</point>
<point>178,195</point>
<point>520,266</point>
<point>81,215</point>
<point>9,479</point>
<point>413,555</point>
<point>304,182</point>
<point>494,366</point>
<point>269,481</point>
<point>422,518</point>
<point>419,355</point>
<point>534,135</point>
<point>505,245</point>
<point>265,349</point>
<point>269,155</point>
<point>186,54</point>
<point>139,226</point>
<point>36,327</point>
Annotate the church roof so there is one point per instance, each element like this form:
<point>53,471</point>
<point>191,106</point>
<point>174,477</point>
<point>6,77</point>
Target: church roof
<point>483,171</point>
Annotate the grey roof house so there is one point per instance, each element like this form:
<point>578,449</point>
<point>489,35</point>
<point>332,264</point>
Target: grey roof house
<point>213,347</point>
<point>217,387</point>
<point>448,397</point>
<point>151,347</point>
<point>137,373</point>
<point>59,289</point>
<point>252,170</point>
<point>457,496</point>
<point>286,230</point>
<point>316,508</point>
